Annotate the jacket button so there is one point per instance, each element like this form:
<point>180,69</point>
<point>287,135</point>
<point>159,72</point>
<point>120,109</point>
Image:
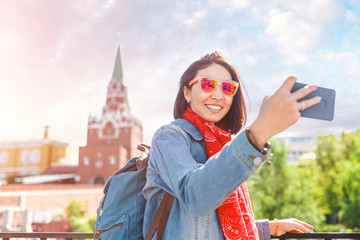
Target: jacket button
<point>257,161</point>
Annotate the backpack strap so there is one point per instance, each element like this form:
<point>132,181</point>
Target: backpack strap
<point>161,217</point>
<point>144,148</point>
<point>143,161</point>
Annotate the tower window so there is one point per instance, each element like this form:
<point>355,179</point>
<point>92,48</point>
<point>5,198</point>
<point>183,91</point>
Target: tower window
<point>112,160</point>
<point>86,161</point>
<point>99,164</point>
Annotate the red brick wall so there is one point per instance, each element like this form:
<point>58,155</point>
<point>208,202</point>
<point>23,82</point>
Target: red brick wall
<point>102,161</point>
<point>54,197</point>
<point>54,226</point>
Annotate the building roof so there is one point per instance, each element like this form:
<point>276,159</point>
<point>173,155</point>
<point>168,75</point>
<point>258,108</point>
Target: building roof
<point>61,169</point>
<point>118,70</point>
<point>31,143</point>
<point>45,178</point>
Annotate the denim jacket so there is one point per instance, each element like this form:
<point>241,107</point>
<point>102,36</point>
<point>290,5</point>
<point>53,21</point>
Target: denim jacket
<point>179,165</point>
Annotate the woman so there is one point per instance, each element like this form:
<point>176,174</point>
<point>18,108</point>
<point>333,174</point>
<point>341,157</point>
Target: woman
<point>194,158</point>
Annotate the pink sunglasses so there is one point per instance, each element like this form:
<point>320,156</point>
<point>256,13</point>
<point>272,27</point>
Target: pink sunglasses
<point>229,87</point>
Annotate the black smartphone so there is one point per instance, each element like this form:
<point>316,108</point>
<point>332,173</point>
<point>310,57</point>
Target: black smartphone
<point>324,110</point>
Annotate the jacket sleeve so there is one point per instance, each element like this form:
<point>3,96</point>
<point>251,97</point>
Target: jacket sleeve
<point>263,229</point>
<point>201,188</point>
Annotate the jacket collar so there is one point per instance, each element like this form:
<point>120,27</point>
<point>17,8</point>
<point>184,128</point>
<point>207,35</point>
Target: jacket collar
<point>190,128</point>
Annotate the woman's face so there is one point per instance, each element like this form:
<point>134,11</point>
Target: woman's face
<point>211,106</point>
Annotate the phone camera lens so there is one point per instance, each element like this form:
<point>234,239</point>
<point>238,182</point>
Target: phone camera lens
<point>323,103</point>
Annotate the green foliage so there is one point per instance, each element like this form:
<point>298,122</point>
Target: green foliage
<point>81,225</point>
<point>329,159</point>
<point>266,186</point>
<point>350,199</point>
<point>333,228</point>
<point>76,210</point>
<point>338,158</point>
<point>283,191</point>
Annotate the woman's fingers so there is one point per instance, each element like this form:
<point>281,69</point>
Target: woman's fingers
<point>302,92</point>
<point>281,110</point>
<point>300,227</point>
<point>293,225</point>
<point>304,224</point>
<point>288,83</point>
<point>304,104</point>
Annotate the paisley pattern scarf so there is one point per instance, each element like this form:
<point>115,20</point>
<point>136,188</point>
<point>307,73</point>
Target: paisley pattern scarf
<point>235,213</point>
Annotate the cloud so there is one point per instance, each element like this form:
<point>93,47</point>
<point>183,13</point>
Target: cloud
<point>297,28</point>
<point>57,59</point>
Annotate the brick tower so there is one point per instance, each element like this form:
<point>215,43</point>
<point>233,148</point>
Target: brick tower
<point>112,139</point>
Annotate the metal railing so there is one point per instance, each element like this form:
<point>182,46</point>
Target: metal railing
<point>71,235</point>
<point>320,235</point>
<point>45,235</point>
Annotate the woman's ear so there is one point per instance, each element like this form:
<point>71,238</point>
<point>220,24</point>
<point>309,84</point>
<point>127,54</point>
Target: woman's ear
<point>187,94</point>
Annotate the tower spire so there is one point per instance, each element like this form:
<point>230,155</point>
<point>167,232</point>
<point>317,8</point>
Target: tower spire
<point>118,71</point>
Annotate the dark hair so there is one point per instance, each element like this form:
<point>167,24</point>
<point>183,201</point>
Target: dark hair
<point>236,117</point>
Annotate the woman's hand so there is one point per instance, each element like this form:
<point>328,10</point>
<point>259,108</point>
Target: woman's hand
<point>289,225</point>
<point>280,111</point>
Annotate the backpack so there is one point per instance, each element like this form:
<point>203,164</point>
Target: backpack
<point>121,210</point>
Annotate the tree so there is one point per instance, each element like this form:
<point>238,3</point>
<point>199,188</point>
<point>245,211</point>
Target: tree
<point>338,159</point>
<point>350,180</point>
<point>350,200</point>
<point>283,191</point>
<point>76,212</point>
<point>268,185</point>
<point>329,158</point>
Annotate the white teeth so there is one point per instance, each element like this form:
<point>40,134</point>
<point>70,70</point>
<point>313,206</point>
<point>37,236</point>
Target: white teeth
<point>214,107</point>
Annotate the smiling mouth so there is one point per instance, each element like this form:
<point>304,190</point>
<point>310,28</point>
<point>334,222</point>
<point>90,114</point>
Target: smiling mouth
<point>214,107</point>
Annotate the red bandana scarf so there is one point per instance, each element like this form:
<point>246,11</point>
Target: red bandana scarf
<point>235,213</point>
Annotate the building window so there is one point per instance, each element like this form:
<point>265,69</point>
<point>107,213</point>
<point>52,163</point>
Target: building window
<point>98,164</point>
<point>112,160</point>
<point>86,161</point>
<point>35,156</point>
<point>4,158</point>
<point>29,156</point>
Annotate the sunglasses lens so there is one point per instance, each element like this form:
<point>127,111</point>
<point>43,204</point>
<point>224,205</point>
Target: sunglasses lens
<point>207,84</point>
<point>229,88</point>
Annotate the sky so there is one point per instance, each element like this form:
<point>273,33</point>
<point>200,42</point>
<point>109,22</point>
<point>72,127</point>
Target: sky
<point>57,58</point>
